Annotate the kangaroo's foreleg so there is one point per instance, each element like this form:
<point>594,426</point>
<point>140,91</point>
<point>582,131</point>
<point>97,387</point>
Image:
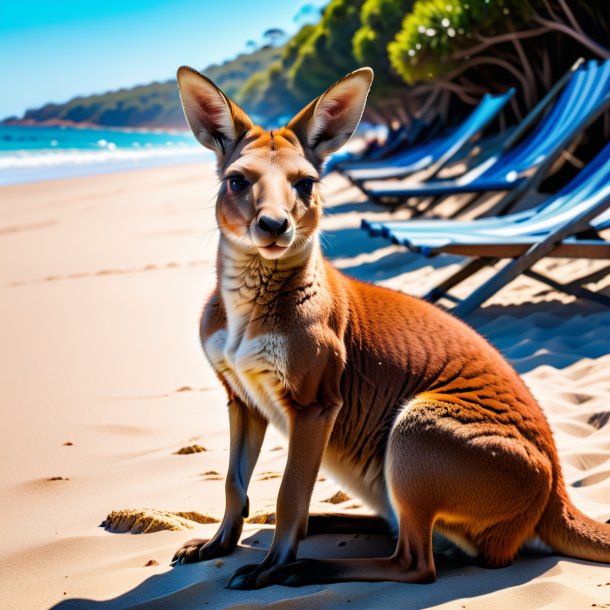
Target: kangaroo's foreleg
<point>309,431</point>
<point>247,432</point>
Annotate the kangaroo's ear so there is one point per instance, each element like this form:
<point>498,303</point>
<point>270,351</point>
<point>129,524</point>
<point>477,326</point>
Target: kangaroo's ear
<point>328,122</point>
<point>215,120</point>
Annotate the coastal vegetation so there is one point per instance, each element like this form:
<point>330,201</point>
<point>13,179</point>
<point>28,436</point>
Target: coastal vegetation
<point>433,59</point>
<point>154,105</point>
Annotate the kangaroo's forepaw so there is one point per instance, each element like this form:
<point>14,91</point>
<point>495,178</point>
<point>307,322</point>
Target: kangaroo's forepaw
<point>201,550</point>
<point>189,551</point>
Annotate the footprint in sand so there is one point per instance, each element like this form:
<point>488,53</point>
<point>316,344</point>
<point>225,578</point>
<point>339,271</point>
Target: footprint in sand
<point>212,475</point>
<point>188,388</point>
<point>184,388</point>
<point>577,399</point>
<point>195,448</point>
<point>338,498</point>
<point>262,518</point>
<point>147,520</point>
<point>592,479</point>
<point>266,476</point>
<point>599,420</point>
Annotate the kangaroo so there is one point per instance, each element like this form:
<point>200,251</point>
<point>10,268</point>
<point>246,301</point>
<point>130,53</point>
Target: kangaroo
<point>405,405</point>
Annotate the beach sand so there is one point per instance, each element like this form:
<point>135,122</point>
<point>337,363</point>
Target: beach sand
<point>104,383</point>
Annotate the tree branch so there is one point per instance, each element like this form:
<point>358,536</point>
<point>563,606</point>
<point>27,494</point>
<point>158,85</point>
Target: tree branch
<point>488,59</point>
<point>459,91</point>
<point>429,101</point>
<point>584,40</point>
<point>528,93</point>
<point>494,40</point>
<point>571,18</point>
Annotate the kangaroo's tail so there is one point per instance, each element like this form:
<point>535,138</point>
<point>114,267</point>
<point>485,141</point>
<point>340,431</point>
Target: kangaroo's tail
<point>568,531</point>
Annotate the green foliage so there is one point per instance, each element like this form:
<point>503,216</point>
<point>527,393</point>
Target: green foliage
<point>153,104</point>
<point>380,22</point>
<point>326,54</point>
<point>267,96</point>
<point>434,29</point>
<point>231,76</point>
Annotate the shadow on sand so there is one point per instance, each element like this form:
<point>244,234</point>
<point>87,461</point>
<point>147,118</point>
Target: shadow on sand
<point>201,585</point>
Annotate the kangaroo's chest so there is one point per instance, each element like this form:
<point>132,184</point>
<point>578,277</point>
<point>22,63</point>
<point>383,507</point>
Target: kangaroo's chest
<point>253,363</point>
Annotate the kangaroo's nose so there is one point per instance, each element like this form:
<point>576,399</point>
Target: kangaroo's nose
<point>273,226</point>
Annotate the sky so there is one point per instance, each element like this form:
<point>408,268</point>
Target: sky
<point>54,50</point>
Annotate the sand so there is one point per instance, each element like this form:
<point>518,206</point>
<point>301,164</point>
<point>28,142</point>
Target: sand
<point>108,405</point>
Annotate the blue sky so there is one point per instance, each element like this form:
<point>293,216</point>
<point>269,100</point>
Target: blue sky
<point>53,50</point>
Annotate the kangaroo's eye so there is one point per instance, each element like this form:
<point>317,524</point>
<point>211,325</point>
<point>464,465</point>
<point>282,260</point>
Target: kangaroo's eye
<point>304,187</point>
<point>237,184</point>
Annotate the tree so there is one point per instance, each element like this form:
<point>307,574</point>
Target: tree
<point>326,54</point>
<point>468,47</point>
<point>380,21</point>
<point>274,36</point>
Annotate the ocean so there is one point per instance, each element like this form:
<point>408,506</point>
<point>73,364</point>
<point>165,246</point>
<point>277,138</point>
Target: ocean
<point>33,153</point>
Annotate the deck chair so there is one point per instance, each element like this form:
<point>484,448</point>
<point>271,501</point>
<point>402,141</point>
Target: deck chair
<point>506,141</point>
<point>566,225</point>
<point>433,155</point>
<point>524,166</point>
<point>397,143</point>
<point>397,140</point>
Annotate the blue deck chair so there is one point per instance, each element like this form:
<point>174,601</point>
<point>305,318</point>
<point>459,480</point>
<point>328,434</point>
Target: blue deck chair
<point>566,225</point>
<point>435,154</point>
<point>506,140</point>
<point>523,168</point>
<point>396,141</point>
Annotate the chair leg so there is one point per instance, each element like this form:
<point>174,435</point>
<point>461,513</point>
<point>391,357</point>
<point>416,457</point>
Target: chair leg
<point>465,271</point>
<point>506,275</point>
<point>573,288</point>
<point>533,255</point>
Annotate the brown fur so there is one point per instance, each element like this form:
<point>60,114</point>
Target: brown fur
<point>405,405</point>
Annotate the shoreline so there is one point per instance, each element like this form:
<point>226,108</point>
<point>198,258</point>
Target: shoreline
<point>52,152</point>
<point>161,129</point>
<point>106,392</point>
<point>46,168</point>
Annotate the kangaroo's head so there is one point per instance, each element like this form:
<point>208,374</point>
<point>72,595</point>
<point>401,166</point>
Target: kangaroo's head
<point>268,203</point>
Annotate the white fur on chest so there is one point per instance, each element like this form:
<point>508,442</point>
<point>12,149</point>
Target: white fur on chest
<point>254,368</point>
<point>253,363</point>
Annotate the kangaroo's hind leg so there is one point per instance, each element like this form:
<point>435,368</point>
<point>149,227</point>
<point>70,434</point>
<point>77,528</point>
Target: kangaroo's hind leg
<point>483,487</point>
<point>482,482</point>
